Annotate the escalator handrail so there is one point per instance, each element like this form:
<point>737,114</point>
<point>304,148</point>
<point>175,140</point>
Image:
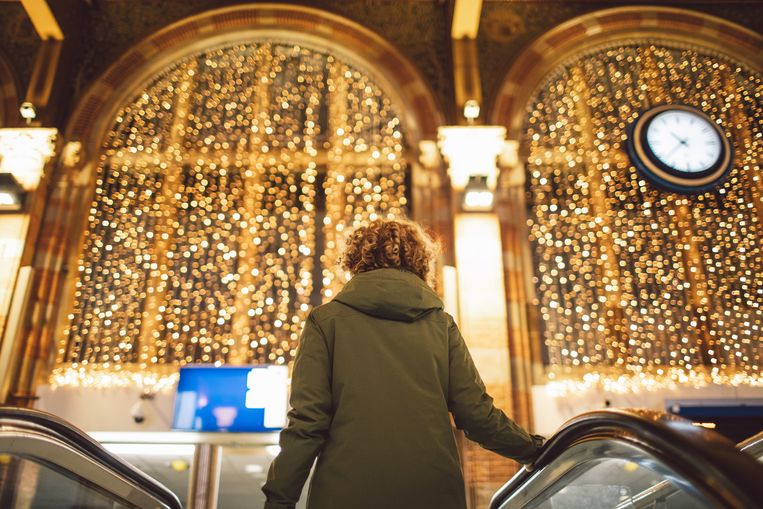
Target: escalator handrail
<point>705,458</point>
<point>752,445</point>
<point>62,431</point>
<point>661,491</point>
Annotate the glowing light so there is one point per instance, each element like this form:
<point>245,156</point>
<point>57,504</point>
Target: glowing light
<point>471,109</point>
<point>640,289</point>
<point>254,468</point>
<point>127,449</point>
<point>203,235</point>
<point>24,152</point>
<point>478,199</point>
<point>179,465</point>
<point>471,150</point>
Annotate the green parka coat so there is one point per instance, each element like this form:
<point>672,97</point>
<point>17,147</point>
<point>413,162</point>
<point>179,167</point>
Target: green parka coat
<point>377,371</point>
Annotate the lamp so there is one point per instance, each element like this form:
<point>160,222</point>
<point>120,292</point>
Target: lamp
<point>471,110</point>
<point>471,150</point>
<point>477,195</point>
<point>11,194</point>
<point>24,152</point>
<point>28,111</point>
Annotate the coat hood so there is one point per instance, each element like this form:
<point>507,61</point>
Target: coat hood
<point>392,294</point>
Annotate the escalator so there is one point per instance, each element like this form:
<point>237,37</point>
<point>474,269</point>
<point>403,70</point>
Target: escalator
<point>611,459</point>
<point>47,463</point>
<point>638,459</point>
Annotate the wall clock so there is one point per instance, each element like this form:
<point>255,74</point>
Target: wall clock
<point>679,148</point>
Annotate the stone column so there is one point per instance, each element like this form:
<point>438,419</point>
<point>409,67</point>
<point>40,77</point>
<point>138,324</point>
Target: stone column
<point>483,323</point>
<point>523,339</point>
<point>28,346</point>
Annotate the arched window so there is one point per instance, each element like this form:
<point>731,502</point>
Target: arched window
<point>223,190</point>
<point>633,280</point>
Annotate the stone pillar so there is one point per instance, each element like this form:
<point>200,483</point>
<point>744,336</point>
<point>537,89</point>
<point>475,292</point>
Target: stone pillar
<point>483,323</point>
<point>28,345</point>
<point>523,339</point>
<point>432,201</point>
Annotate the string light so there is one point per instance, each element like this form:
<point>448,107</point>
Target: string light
<point>639,288</point>
<point>219,187</point>
<point>374,187</point>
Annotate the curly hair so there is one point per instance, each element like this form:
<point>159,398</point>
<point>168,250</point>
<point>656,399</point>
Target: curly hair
<point>398,244</point>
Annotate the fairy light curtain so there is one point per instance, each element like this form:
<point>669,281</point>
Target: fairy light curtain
<point>637,287</point>
<point>222,195</point>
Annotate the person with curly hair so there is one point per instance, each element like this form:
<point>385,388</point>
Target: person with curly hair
<point>378,371</point>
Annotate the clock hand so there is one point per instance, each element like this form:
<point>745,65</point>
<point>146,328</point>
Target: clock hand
<point>681,141</point>
<point>672,150</point>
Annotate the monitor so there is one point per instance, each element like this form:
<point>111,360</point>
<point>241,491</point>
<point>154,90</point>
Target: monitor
<point>231,398</point>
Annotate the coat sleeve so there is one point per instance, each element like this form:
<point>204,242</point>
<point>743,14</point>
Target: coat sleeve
<point>309,420</point>
<point>474,412</point>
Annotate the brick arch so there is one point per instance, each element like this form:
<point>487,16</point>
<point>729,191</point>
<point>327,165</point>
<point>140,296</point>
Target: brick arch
<point>63,223</point>
<point>395,74</point>
<point>621,24</point>
<point>9,100</point>
<point>521,82</point>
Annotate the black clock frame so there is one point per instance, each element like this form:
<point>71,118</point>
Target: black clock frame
<point>663,176</point>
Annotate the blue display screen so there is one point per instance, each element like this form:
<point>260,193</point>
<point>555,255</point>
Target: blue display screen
<point>243,399</point>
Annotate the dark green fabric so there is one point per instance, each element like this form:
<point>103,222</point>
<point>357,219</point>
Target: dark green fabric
<point>377,371</point>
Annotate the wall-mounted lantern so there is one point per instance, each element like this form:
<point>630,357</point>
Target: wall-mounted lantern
<point>478,197</point>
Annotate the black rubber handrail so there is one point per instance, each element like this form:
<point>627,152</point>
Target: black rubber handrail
<point>62,431</point>
<point>708,461</point>
<point>663,490</point>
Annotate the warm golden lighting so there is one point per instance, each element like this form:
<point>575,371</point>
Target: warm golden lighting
<point>482,295</point>
<point>471,150</point>
<point>24,152</point>
<point>224,191</point>
<point>639,288</point>
<point>477,195</point>
<point>179,465</point>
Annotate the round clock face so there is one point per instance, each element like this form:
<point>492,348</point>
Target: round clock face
<point>684,141</point>
<point>679,148</point>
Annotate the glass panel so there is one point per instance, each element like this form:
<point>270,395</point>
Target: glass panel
<point>244,470</point>
<point>610,483</point>
<point>26,484</point>
<point>168,464</point>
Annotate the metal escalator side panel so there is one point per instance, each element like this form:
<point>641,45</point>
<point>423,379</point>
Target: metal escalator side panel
<point>752,446</point>
<point>30,433</point>
<point>80,467</point>
<point>579,460</point>
<point>703,461</point>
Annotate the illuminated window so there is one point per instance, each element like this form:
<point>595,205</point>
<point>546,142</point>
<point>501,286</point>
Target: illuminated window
<point>632,280</point>
<point>223,194</point>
